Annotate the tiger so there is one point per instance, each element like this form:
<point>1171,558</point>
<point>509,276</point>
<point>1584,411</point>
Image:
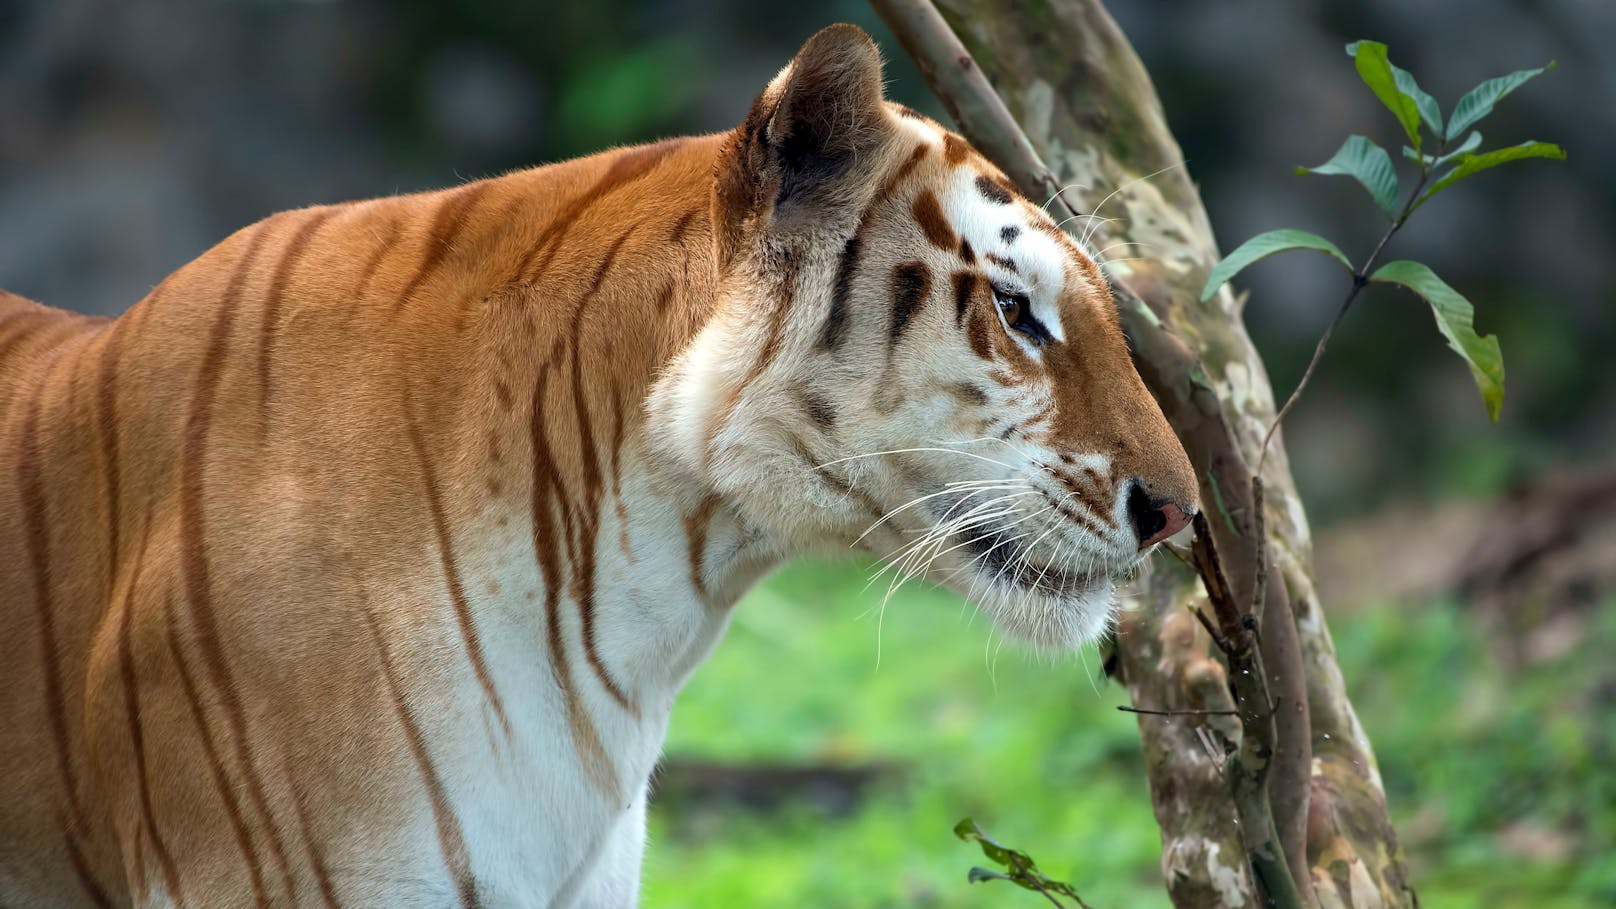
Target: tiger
<point>361,561</point>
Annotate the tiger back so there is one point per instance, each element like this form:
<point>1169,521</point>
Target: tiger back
<point>359,564</point>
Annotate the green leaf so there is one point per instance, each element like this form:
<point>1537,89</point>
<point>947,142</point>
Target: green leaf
<point>1367,163</point>
<point>1430,112</point>
<point>1470,164</point>
<point>1479,101</point>
<point>1376,72</point>
<point>968,831</point>
<point>1266,244</point>
<point>1468,145</point>
<point>1455,318</point>
<point>978,874</point>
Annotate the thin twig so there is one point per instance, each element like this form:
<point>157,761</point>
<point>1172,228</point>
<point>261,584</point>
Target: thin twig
<point>1206,622</point>
<point>1360,280</point>
<point>1126,709</point>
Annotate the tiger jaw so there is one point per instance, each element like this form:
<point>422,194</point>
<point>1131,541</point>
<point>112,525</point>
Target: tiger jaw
<point>1061,600</point>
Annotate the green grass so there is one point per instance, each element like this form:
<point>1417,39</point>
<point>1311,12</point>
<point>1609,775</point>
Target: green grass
<point>1034,749</point>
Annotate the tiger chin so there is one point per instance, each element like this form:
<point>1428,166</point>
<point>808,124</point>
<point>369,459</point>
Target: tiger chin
<point>360,563</point>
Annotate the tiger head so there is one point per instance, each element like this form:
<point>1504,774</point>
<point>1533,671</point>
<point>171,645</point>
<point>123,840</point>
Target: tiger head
<point>909,356</point>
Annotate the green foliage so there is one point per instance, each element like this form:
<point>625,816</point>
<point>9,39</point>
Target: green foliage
<point>1479,101</point>
<point>1472,752</point>
<point>1455,319</point>
<point>1430,112</point>
<point>1370,165</point>
<point>613,98</point>
<point>1470,163</point>
<point>1376,72</point>
<point>1266,244</point>
<point>1468,751</point>
<point>994,733</point>
<point>1020,869</point>
<point>1468,145</point>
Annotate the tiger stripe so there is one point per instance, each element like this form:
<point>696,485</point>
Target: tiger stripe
<point>322,875</point>
<point>835,326</point>
<point>194,563</point>
<point>137,733</point>
<point>464,623</point>
<point>447,223</point>
<point>339,637</point>
<point>451,840</point>
<point>31,486</point>
<point>624,171</point>
<point>584,566</point>
<point>911,283</point>
<point>275,301</point>
<point>234,815</point>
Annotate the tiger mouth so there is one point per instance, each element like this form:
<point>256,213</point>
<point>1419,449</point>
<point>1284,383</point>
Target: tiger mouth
<point>999,554</point>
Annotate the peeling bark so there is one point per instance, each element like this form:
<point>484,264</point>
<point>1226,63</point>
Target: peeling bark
<point>1094,138</point>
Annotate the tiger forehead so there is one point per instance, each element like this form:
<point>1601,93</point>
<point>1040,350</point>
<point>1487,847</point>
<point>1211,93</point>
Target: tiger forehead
<point>960,199</point>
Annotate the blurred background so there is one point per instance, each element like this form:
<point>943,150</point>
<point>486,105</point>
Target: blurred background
<point>1470,570</point>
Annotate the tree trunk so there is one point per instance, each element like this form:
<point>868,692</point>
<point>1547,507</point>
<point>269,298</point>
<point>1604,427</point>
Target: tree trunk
<point>1087,106</point>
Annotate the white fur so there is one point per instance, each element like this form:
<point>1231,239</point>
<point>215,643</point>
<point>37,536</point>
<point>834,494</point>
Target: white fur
<point>722,423</point>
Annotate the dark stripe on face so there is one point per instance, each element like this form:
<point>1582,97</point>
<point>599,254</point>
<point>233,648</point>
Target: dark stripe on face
<point>1009,233</point>
<point>981,323</point>
<point>966,252</point>
<point>929,215</point>
<point>819,410</point>
<point>835,328</point>
<point>968,393</point>
<point>836,322</point>
<point>911,282</point>
<point>1008,265</point>
<point>955,151</point>
<point>964,288</point>
<point>993,190</point>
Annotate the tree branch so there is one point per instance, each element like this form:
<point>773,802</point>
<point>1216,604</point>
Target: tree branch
<point>1073,76</point>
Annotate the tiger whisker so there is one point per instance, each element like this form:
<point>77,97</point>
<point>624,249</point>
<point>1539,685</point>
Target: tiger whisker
<point>876,454</point>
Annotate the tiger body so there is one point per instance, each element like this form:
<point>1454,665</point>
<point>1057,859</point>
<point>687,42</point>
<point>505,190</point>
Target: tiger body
<point>360,563</point>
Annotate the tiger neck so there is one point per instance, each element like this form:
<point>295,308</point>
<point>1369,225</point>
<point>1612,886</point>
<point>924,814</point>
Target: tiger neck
<point>627,568</point>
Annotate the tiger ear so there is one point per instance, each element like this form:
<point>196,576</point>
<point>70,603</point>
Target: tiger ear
<point>808,131</point>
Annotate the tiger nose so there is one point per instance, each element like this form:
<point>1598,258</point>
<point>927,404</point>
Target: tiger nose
<point>1154,520</point>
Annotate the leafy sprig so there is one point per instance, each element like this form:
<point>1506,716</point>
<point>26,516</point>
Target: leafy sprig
<point>1019,867</point>
<point>1440,162</point>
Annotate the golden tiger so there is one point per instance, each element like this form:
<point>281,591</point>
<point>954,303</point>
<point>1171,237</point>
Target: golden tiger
<point>359,564</point>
